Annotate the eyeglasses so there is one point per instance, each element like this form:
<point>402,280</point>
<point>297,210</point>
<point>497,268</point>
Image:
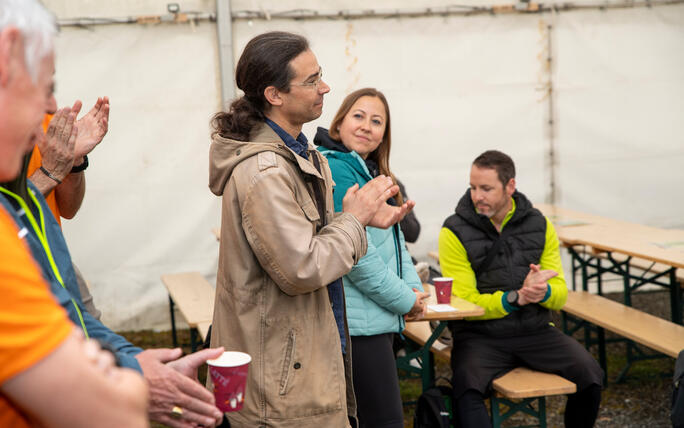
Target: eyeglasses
<point>314,84</point>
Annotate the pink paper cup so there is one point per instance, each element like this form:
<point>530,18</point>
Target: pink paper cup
<point>443,289</point>
<point>229,377</point>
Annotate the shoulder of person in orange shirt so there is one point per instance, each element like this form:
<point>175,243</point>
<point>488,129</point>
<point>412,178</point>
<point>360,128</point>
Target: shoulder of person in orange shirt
<point>32,325</point>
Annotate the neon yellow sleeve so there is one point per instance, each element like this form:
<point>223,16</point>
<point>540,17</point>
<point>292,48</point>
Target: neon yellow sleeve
<point>454,263</point>
<point>551,259</point>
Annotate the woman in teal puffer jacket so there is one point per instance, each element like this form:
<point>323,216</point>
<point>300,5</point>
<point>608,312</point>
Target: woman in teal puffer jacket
<point>383,286</point>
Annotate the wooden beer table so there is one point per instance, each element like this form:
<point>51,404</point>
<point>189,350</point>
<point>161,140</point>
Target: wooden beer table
<point>418,331</point>
<point>617,247</point>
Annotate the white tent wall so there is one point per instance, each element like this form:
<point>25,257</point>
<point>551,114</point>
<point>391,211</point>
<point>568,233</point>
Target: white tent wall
<point>620,104</point>
<point>147,210</point>
<point>456,86</point>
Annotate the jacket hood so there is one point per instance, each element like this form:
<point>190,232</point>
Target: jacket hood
<point>225,154</point>
<point>324,139</point>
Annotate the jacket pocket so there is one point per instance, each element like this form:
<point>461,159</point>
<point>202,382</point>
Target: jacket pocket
<point>287,362</point>
<point>310,210</point>
<point>303,363</point>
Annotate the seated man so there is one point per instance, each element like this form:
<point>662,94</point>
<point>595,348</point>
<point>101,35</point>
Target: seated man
<point>503,255</point>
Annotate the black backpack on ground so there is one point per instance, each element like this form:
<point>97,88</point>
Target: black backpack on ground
<point>432,410</point>
<point>678,393</point>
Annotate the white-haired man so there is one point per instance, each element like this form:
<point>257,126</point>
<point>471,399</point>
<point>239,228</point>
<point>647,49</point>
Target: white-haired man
<point>49,375</point>
<point>176,399</point>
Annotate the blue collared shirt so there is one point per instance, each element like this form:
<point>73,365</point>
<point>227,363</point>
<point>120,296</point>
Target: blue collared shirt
<point>299,145</point>
<point>335,289</point>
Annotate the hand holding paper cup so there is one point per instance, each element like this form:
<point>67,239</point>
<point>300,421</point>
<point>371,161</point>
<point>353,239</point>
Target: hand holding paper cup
<point>229,376</point>
<point>443,289</point>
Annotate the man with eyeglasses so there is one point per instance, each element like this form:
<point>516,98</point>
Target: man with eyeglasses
<point>279,294</point>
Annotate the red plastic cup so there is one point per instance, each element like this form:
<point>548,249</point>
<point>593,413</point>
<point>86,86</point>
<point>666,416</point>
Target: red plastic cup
<point>443,289</point>
<point>229,377</point>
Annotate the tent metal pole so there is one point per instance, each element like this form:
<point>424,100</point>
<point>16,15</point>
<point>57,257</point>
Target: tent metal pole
<point>521,7</point>
<point>224,30</point>
<point>553,185</point>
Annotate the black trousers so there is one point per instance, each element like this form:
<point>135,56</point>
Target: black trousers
<point>376,385</point>
<point>478,359</point>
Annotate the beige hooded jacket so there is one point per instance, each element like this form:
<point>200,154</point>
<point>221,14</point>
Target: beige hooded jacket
<point>271,296</point>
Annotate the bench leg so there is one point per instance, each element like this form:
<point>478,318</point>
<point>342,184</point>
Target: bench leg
<point>497,418</point>
<point>675,298</point>
<point>635,353</point>
<point>173,323</point>
<point>524,405</point>
<point>626,285</point>
<point>599,282</point>
<point>585,277</point>
<point>542,412</point>
<point>574,269</point>
<point>428,359</point>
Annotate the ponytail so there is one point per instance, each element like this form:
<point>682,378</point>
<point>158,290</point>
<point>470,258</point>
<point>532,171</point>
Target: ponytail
<point>238,121</point>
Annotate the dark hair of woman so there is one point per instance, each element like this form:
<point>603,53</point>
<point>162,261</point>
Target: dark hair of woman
<point>264,62</point>
<point>382,153</point>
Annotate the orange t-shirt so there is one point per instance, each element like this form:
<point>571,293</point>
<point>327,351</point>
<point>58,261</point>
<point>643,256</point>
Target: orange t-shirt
<point>32,324</point>
<point>35,163</point>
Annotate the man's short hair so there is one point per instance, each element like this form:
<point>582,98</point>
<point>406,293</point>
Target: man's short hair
<point>498,161</point>
<point>37,26</point>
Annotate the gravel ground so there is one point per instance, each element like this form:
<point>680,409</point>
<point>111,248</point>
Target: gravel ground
<point>641,401</point>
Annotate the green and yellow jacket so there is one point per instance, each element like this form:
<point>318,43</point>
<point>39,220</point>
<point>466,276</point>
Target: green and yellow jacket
<point>526,237</point>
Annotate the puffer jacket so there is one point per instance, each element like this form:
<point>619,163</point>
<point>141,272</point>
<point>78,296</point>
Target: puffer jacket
<point>378,290</point>
<point>271,296</point>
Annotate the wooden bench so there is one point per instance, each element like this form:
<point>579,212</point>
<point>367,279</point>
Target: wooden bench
<point>526,386</point>
<point>656,333</point>
<point>521,384</point>
<point>194,297</point>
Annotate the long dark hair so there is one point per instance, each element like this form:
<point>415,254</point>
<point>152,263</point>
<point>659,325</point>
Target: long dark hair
<point>264,62</point>
<point>382,153</point>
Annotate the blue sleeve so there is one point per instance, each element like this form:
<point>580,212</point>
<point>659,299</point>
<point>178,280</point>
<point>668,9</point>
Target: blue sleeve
<point>125,351</point>
<point>374,278</point>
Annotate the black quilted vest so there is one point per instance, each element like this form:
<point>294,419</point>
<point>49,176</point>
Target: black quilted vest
<point>523,239</point>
